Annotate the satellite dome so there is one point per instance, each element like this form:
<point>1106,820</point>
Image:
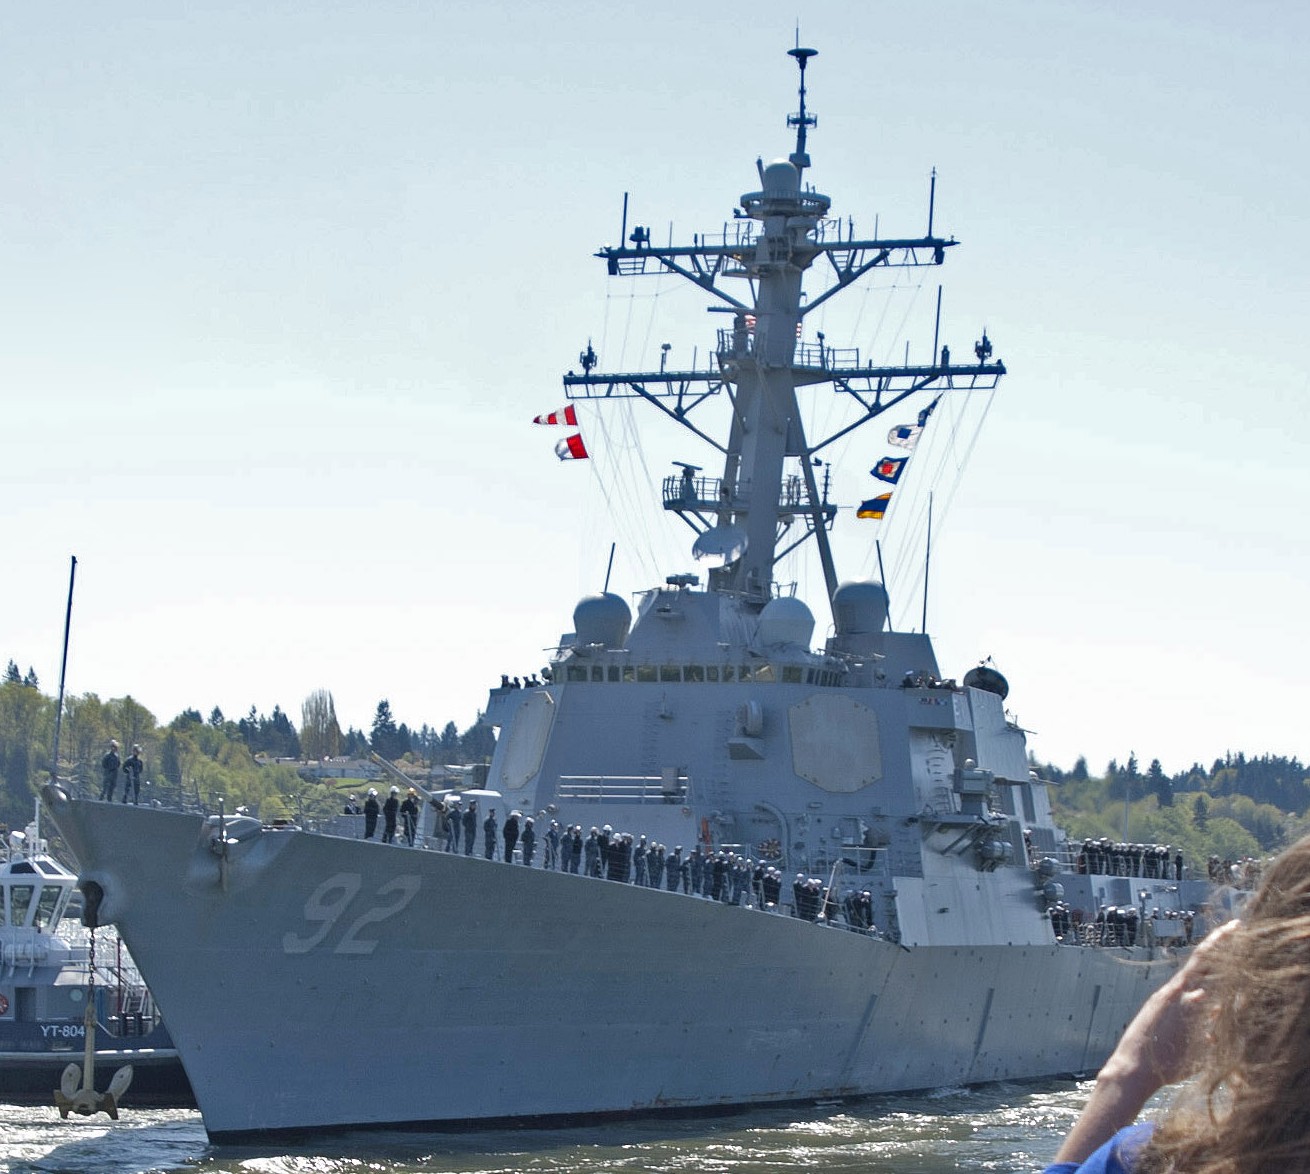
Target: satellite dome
<point>985,677</point>
<point>786,621</point>
<point>860,609</point>
<point>602,619</point>
<point>781,176</point>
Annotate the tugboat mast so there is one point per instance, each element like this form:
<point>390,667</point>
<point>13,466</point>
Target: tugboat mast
<point>742,518</point>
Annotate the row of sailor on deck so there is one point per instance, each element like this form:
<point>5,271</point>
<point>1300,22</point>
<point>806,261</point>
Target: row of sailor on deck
<point>1118,925</point>
<point>1104,857</point>
<point>727,877</point>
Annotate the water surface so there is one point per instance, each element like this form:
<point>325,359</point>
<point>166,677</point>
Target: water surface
<point>1002,1127</point>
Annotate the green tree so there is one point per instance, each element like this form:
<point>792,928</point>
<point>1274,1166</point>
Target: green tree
<point>320,735</point>
<point>26,730</point>
<point>384,735</point>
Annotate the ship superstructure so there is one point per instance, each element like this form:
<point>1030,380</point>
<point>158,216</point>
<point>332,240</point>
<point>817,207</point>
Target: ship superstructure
<point>808,871</point>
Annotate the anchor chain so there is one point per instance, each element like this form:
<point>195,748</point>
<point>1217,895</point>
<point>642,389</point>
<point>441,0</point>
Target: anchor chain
<point>77,1088</point>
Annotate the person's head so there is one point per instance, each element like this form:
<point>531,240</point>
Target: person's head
<point>113,743</point>
<point>1248,1109</point>
<point>136,749</point>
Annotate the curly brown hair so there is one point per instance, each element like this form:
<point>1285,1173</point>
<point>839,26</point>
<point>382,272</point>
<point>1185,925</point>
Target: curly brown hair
<point>1248,1110</point>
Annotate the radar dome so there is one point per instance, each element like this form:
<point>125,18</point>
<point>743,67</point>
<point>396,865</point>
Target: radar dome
<point>601,619</point>
<point>983,676</point>
<point>860,609</point>
<point>781,176</point>
<point>786,621</point>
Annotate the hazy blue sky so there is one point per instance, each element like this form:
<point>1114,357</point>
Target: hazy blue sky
<point>281,287</point>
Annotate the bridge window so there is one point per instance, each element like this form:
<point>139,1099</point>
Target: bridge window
<point>728,672</point>
<point>646,672</point>
<point>597,672</point>
<point>20,900</point>
<point>764,672</point>
<point>629,673</point>
<point>45,907</point>
<point>614,672</point>
<point>670,672</point>
<point>693,672</point>
<point>577,672</point>
<point>791,674</point>
<point>712,672</point>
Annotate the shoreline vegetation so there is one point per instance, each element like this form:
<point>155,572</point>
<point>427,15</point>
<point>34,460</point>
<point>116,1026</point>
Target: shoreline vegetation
<point>1239,806</point>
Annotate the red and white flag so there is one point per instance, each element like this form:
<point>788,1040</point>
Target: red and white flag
<point>571,448</point>
<point>568,415</point>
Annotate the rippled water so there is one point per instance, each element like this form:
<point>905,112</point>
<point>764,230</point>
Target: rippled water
<point>1002,1127</point>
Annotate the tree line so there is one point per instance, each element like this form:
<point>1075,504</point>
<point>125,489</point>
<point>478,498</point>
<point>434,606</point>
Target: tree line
<point>1238,806</point>
<point>193,758</point>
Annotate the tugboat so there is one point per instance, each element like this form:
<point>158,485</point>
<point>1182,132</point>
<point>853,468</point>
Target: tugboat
<point>769,872</point>
<point>47,974</point>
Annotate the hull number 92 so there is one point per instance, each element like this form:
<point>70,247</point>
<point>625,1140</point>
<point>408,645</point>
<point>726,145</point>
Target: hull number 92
<point>326,906</point>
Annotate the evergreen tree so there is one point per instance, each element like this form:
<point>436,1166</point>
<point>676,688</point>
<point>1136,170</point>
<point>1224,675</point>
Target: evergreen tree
<point>12,675</point>
<point>216,718</point>
<point>30,680</point>
<point>384,737</point>
<point>448,744</point>
<point>1158,782</point>
<point>477,742</point>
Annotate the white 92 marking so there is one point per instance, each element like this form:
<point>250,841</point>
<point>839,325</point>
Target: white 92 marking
<point>326,904</point>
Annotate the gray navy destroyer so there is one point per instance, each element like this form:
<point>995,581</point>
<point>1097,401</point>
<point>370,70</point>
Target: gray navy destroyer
<point>920,922</point>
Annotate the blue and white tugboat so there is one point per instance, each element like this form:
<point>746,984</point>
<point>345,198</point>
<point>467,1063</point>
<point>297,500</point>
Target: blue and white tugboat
<point>818,869</point>
<point>50,976</point>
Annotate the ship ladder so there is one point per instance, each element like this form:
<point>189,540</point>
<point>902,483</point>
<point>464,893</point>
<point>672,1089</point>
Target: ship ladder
<point>77,1086</point>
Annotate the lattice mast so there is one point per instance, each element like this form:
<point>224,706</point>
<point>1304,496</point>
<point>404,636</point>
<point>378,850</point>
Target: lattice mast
<point>778,234</point>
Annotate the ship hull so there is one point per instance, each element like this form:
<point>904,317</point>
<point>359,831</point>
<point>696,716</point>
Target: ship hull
<point>464,990</point>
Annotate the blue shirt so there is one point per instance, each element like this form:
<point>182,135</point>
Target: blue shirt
<point>1116,1156</point>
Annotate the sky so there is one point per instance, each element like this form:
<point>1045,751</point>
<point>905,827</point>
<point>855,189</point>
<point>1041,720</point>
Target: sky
<point>282,287</point>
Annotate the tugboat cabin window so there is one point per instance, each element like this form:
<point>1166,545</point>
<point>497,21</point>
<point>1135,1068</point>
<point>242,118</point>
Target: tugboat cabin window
<point>45,906</point>
<point>20,900</point>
